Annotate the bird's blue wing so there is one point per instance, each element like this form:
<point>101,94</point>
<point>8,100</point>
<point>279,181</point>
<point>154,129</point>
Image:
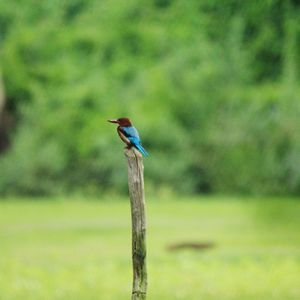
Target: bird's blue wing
<point>131,133</point>
<point>133,136</point>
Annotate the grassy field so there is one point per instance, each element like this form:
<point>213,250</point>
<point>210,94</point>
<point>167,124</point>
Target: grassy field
<point>71,249</point>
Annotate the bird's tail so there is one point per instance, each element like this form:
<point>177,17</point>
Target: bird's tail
<point>141,149</point>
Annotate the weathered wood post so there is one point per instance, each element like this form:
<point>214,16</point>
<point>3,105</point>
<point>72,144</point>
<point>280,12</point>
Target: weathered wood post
<point>2,96</point>
<point>138,217</point>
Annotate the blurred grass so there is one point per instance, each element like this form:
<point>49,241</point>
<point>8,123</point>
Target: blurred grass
<point>70,249</point>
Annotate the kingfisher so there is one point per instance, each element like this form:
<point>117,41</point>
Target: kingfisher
<point>129,135</point>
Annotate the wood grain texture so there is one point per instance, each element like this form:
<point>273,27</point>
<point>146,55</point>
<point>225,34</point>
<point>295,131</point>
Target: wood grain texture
<point>138,217</point>
<point>2,95</point>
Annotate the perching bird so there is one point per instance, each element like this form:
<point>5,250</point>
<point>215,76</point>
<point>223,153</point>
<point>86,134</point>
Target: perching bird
<point>129,135</point>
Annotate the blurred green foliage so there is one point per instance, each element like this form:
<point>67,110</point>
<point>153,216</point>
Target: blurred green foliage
<point>212,86</point>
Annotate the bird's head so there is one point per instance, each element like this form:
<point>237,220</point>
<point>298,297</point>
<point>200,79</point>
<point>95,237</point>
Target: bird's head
<point>124,122</point>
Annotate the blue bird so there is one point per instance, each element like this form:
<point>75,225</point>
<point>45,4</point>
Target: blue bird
<point>129,135</point>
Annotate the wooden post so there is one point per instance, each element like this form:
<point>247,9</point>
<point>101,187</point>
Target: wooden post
<point>138,217</point>
<point>2,95</point>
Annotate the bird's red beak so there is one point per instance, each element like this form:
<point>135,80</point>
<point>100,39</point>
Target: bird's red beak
<point>113,121</point>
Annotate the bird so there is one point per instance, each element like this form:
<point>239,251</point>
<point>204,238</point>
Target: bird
<point>128,134</point>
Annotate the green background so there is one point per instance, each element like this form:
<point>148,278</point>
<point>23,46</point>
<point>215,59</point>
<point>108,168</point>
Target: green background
<point>81,250</point>
<point>212,86</point>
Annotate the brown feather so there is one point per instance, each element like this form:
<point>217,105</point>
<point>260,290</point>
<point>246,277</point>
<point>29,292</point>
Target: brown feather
<point>123,137</point>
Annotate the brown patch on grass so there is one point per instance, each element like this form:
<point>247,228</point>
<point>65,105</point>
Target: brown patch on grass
<point>191,246</point>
